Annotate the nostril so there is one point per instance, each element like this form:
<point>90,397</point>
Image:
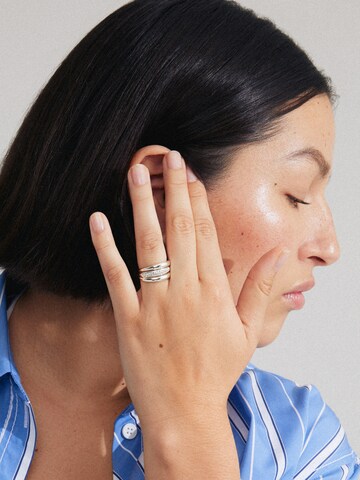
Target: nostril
<point>319,261</point>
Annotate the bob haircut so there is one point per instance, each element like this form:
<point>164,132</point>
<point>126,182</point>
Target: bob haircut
<point>203,77</point>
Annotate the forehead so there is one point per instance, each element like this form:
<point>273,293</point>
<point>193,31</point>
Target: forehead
<point>310,126</point>
<point>313,122</point>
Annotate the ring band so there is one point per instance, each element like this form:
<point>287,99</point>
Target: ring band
<point>156,272</point>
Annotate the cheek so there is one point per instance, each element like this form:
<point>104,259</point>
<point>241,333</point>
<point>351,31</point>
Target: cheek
<point>246,232</point>
<point>246,239</point>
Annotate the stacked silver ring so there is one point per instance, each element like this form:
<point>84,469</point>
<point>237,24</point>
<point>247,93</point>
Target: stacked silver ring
<point>155,273</point>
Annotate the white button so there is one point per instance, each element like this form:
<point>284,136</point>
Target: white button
<point>129,431</point>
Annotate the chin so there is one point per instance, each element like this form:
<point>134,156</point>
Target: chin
<point>264,343</point>
<point>271,330</point>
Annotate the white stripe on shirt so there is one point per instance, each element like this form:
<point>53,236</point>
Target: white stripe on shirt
<point>270,427</point>
<point>8,416</point>
<point>313,427</point>
<point>345,469</point>
<point>293,406</point>
<point>321,456</point>
<point>30,447</point>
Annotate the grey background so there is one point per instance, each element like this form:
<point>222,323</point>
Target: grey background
<point>320,343</point>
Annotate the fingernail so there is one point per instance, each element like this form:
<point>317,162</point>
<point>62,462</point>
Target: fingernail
<point>97,223</point>
<point>173,159</point>
<point>191,177</point>
<point>139,174</point>
<point>281,259</point>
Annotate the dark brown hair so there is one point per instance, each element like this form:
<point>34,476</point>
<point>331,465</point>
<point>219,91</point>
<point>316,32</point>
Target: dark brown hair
<point>203,77</point>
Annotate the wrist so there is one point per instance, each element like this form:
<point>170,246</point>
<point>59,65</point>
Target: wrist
<point>167,425</point>
<point>191,446</point>
<point>176,424</point>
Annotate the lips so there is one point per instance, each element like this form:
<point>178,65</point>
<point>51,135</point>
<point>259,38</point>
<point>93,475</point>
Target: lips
<point>302,287</point>
<point>294,298</point>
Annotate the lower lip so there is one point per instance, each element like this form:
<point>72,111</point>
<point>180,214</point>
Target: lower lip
<point>295,299</point>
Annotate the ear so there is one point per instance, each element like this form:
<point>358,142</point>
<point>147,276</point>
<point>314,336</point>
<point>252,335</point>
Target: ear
<point>152,157</point>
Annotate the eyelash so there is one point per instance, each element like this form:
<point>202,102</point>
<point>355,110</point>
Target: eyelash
<point>295,201</point>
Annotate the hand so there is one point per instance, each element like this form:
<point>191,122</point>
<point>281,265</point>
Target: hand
<point>183,343</point>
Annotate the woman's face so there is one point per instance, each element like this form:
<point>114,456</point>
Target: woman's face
<point>253,209</point>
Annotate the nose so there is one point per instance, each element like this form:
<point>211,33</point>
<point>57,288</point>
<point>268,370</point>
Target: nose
<point>322,245</point>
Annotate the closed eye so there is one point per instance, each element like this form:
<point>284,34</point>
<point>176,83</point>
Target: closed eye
<point>295,201</point>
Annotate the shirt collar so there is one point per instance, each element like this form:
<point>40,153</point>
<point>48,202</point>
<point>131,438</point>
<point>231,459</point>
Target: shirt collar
<point>9,294</point>
<point>5,360</point>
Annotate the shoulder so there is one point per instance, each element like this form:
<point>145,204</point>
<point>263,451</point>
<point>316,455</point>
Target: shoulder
<point>274,395</point>
<point>301,432</point>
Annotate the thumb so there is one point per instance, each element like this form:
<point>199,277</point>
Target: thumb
<point>254,296</point>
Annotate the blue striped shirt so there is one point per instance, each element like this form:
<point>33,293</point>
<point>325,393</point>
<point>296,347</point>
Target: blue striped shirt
<point>282,430</point>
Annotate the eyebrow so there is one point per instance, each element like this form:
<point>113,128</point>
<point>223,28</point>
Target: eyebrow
<point>314,155</point>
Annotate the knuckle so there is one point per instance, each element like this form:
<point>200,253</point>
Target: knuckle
<point>216,290</point>
<point>264,286</point>
<point>149,241</point>
<point>182,223</point>
<point>177,180</point>
<point>205,227</point>
<point>188,299</point>
<point>197,191</point>
<point>103,246</point>
<point>113,274</point>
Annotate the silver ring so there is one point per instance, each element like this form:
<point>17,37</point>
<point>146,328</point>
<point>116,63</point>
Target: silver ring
<point>156,272</point>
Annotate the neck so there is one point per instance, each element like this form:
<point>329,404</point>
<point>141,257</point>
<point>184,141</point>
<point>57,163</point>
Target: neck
<point>72,346</point>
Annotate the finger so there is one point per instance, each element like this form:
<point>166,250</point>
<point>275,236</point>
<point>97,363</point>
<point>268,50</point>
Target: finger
<point>118,280</point>
<point>180,229</point>
<point>208,254</point>
<point>254,297</point>
<point>150,248</point>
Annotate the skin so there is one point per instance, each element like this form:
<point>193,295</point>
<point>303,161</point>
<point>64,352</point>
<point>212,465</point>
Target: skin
<point>262,215</point>
<point>252,215</point>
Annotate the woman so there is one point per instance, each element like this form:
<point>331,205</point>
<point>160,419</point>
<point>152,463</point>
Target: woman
<point>111,371</point>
